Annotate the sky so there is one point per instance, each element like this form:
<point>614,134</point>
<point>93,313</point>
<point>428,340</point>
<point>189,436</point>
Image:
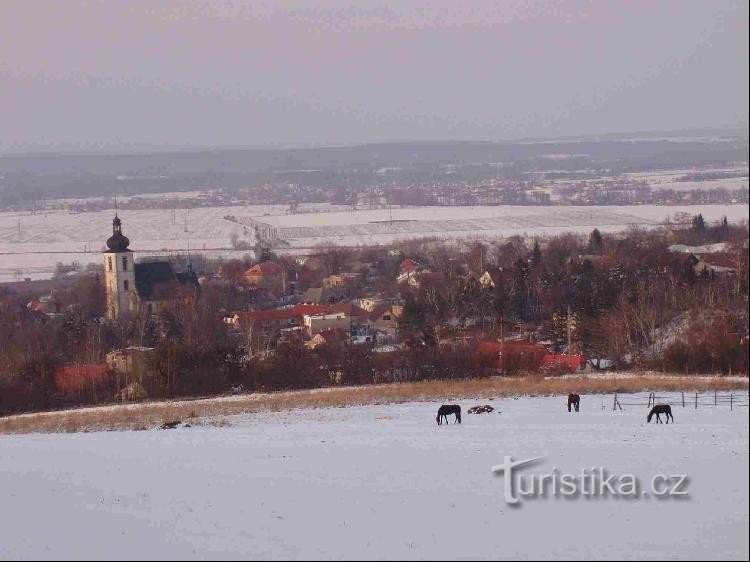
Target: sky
<point>113,75</point>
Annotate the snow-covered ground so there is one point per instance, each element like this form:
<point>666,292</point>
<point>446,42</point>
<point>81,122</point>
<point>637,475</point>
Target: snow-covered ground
<point>378,482</point>
<point>29,242</point>
<point>668,179</point>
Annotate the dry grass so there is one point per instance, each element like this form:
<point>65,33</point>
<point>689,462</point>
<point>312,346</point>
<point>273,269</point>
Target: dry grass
<point>211,411</point>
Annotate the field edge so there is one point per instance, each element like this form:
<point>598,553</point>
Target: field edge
<point>210,411</point>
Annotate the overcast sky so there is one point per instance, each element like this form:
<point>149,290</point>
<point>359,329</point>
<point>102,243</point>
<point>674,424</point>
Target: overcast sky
<point>130,74</point>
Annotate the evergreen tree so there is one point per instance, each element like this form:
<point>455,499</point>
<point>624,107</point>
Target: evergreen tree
<point>596,242</point>
<point>412,318</point>
<point>699,224</point>
<point>536,255</point>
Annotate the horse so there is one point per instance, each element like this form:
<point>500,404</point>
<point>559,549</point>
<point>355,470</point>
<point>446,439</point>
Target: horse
<point>574,400</point>
<point>660,409</point>
<point>445,410</point>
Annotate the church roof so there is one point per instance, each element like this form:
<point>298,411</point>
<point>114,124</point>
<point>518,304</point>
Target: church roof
<point>155,280</point>
<point>150,275</point>
<point>118,242</point>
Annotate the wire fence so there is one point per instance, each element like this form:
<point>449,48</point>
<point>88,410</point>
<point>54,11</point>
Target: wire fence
<point>695,400</point>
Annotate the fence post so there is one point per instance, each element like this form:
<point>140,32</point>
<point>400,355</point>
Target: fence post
<point>696,400</point>
<point>615,403</point>
<point>715,398</point>
<point>683,398</point>
<point>731,400</point>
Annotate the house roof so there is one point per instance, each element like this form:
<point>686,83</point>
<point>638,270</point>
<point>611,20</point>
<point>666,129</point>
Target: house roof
<point>410,265</point>
<point>323,295</point>
<point>297,311</point>
<point>718,260</point>
<point>313,294</point>
<point>265,268</point>
<point>350,309</point>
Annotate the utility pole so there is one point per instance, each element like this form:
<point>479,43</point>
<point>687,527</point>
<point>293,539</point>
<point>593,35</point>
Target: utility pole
<point>568,329</point>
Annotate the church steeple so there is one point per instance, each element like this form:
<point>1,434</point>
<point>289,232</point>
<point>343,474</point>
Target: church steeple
<point>117,242</point>
<point>119,273</point>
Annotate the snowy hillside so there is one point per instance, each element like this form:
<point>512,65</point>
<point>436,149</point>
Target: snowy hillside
<point>377,482</point>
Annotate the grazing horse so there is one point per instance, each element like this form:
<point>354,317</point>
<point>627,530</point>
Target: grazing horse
<point>660,409</point>
<point>574,400</point>
<point>444,411</point>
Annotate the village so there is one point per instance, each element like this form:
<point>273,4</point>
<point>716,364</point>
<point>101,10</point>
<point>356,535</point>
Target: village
<point>153,327</point>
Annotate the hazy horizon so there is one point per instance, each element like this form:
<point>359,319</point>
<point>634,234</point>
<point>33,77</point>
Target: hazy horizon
<point>142,76</point>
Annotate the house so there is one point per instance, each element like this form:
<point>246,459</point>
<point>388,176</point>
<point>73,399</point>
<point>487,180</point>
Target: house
<point>369,303</point>
<point>340,280</point>
<point>409,265</point>
<point>384,318</point>
<point>331,336</point>
<point>491,278</point>
<point>410,272</point>
<point>264,273</point>
<point>270,322</point>
<point>46,304</point>
<point>134,363</point>
<point>316,323</point>
<point>357,314</point>
<point>716,264</point>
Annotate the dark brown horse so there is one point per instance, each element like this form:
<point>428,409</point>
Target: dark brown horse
<point>446,410</point>
<point>660,409</point>
<point>574,400</point>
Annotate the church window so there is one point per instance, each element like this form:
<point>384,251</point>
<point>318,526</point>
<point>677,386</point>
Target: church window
<point>109,263</point>
<point>124,263</point>
<point>126,285</point>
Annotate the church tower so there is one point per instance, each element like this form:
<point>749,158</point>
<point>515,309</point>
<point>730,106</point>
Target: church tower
<point>119,273</point>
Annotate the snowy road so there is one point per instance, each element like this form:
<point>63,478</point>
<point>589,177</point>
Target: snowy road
<point>377,482</point>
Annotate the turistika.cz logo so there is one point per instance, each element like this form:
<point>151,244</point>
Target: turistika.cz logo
<point>595,482</point>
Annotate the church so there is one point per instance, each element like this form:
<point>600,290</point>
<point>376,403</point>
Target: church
<point>139,288</point>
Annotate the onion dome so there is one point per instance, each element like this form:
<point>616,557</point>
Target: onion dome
<point>117,242</point>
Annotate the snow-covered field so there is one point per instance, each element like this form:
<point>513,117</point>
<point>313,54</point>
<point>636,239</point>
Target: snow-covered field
<point>668,179</point>
<point>28,242</point>
<point>378,482</point>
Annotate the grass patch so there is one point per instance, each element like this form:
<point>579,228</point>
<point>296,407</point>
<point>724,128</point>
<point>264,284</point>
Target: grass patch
<point>150,415</point>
